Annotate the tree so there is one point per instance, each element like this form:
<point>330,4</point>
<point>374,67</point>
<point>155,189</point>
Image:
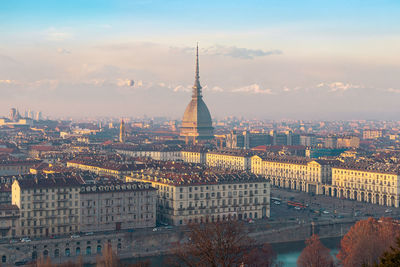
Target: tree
<point>391,258</point>
<point>262,257</point>
<point>315,254</point>
<point>108,258</point>
<point>366,241</point>
<point>216,244</point>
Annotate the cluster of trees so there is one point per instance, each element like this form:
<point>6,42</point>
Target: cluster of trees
<point>369,243</point>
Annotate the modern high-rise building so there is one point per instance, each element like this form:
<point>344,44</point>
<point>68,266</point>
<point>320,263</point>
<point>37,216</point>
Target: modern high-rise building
<point>122,132</point>
<point>196,122</point>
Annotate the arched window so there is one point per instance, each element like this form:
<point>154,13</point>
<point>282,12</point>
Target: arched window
<point>34,255</point>
<point>88,250</point>
<point>78,251</point>
<point>4,258</point>
<point>98,249</point>
<point>56,253</point>
<point>45,253</point>
<point>67,252</point>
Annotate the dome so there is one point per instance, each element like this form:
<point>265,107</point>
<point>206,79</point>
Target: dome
<point>197,114</point>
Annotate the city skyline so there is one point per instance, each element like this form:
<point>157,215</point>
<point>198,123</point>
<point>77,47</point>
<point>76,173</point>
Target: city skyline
<point>266,60</point>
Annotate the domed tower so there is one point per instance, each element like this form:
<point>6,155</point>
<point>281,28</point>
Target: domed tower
<point>196,122</point>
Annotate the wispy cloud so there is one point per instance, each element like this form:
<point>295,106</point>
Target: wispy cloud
<point>231,51</point>
<point>181,88</point>
<point>338,86</point>
<point>393,90</point>
<point>253,89</point>
<point>53,34</point>
<point>239,52</point>
<point>63,51</point>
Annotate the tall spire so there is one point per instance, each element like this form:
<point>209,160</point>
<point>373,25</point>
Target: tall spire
<point>197,86</point>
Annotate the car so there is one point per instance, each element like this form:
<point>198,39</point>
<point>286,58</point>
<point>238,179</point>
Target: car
<point>12,241</point>
<point>89,233</point>
<point>75,236</point>
<point>22,262</point>
<point>250,221</point>
<point>25,240</point>
<point>325,212</point>
<point>297,208</point>
<point>277,202</point>
<point>388,210</point>
<point>155,229</point>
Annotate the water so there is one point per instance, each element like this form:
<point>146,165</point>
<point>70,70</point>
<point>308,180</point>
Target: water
<point>287,252</point>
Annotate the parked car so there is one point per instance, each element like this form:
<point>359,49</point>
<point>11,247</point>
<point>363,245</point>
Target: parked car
<point>75,236</point>
<point>388,210</point>
<point>89,233</point>
<point>25,240</point>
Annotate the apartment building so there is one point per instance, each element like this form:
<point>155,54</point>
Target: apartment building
<point>229,159</point>
<point>117,206</point>
<point>186,197</point>
<point>9,220</point>
<point>194,155</point>
<point>49,205</point>
<point>294,172</point>
<point>156,152</point>
<point>16,166</point>
<point>103,167</point>
<point>376,183</point>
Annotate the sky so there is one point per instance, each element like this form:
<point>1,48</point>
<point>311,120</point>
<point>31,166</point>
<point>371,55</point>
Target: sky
<point>276,59</point>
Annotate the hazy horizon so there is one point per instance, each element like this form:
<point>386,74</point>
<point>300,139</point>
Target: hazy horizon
<point>258,59</point>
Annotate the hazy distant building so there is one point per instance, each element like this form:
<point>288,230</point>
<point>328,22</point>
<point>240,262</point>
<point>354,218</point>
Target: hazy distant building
<point>122,132</point>
<point>307,140</point>
<point>196,122</point>
<point>14,115</point>
<point>330,142</point>
<point>286,139</point>
<point>373,134</point>
<point>247,140</point>
<point>348,142</point>
<point>38,116</point>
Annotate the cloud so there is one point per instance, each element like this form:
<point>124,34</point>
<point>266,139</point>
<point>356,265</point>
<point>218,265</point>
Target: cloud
<point>63,51</point>
<point>53,34</point>
<point>239,52</point>
<point>8,82</point>
<point>338,86</point>
<point>212,89</point>
<point>230,51</point>
<point>392,90</point>
<point>181,88</point>
<point>253,89</point>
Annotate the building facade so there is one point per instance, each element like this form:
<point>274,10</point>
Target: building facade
<point>295,173</point>
<point>184,199</point>
<point>229,159</point>
<point>48,206</point>
<point>108,207</point>
<point>367,184</point>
